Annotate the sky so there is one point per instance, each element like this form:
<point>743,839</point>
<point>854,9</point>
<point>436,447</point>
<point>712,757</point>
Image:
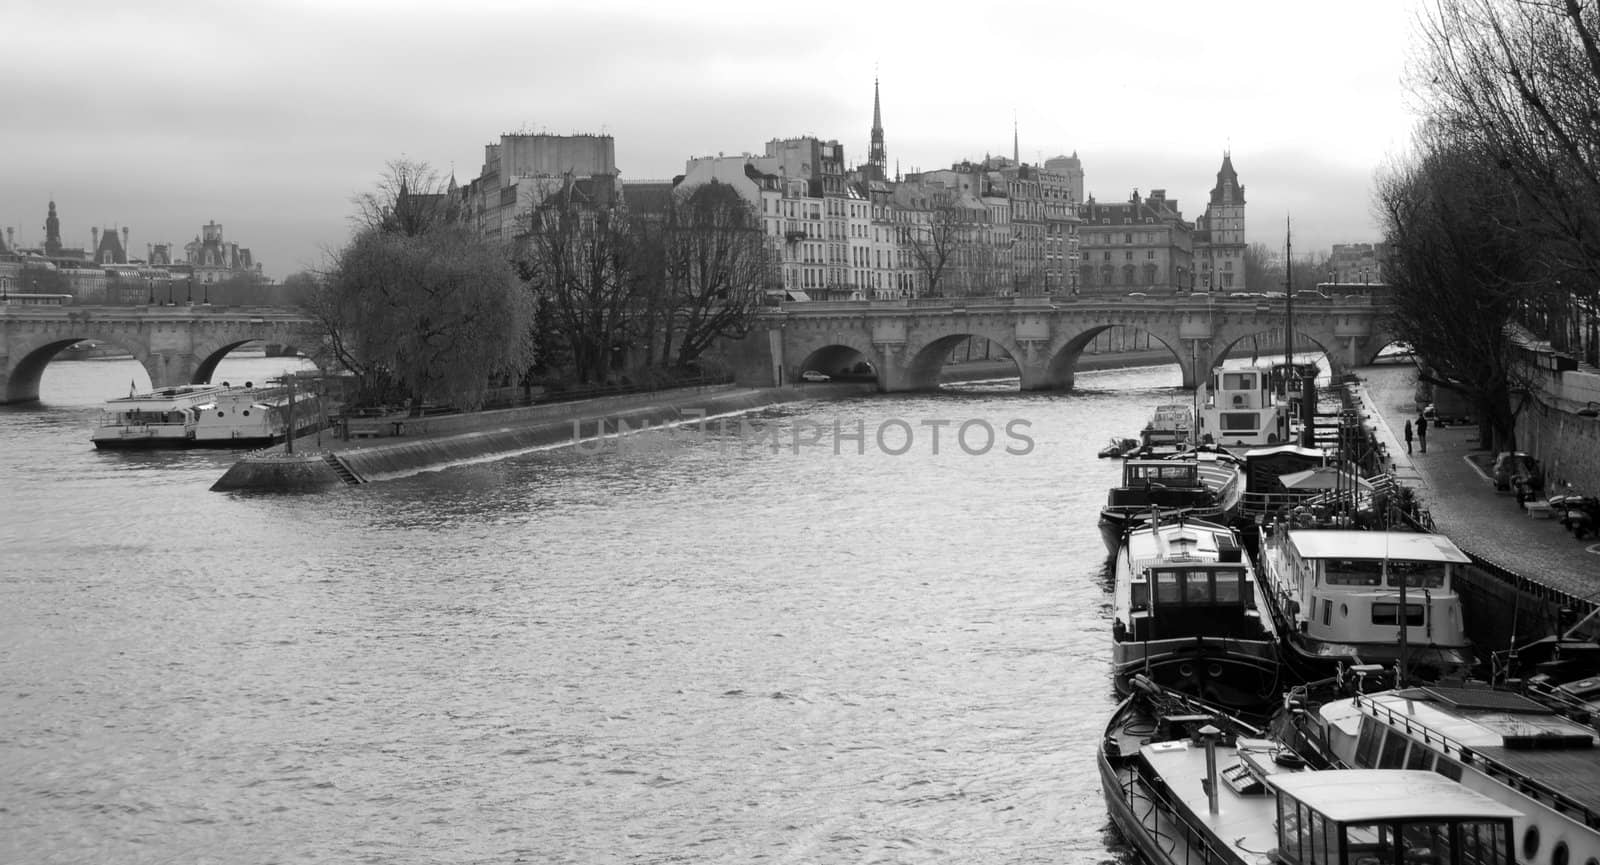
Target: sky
<point>270,117</point>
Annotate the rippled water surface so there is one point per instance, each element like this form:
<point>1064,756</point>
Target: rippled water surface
<point>708,653</point>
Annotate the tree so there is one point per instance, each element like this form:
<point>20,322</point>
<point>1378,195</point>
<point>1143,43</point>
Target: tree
<point>1459,275</point>
<point>432,317</point>
<point>1262,272</point>
<point>1521,81</point>
<point>717,268</point>
<point>939,236</point>
<point>410,199</point>
<point>579,256</point>
<point>419,307</point>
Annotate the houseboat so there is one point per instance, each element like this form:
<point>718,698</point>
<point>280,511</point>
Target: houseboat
<point>1515,750</point>
<point>1187,784</point>
<point>1344,597</point>
<point>1237,407</point>
<point>1189,615</point>
<point>1208,484</point>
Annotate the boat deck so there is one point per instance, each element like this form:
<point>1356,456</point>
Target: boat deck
<point>1243,822</point>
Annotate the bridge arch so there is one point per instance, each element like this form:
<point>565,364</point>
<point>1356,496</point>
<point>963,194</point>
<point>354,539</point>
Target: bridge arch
<point>926,360</point>
<point>836,359</point>
<point>1233,342</point>
<point>210,353</point>
<point>1061,366</point>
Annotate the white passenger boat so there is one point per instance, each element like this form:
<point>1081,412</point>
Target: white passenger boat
<point>1508,747</point>
<point>206,415</point>
<point>1188,614</point>
<point>1344,597</point>
<point>1188,784</point>
<point>161,418</point>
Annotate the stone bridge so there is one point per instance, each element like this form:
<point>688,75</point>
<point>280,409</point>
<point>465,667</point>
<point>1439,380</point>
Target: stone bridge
<point>908,341</point>
<point>175,344</point>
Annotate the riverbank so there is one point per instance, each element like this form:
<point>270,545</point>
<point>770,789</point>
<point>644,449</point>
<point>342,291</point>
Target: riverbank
<point>394,447</point>
<point>320,462</point>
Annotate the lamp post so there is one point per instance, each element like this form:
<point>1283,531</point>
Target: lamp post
<point>5,296</point>
<point>169,292</point>
<point>205,287</point>
<point>150,282</point>
<point>191,291</point>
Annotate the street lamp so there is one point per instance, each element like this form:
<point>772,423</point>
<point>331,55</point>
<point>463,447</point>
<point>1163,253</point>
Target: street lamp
<point>151,282</point>
<point>191,291</point>
<point>4,283</point>
<point>205,287</point>
<point>169,292</point>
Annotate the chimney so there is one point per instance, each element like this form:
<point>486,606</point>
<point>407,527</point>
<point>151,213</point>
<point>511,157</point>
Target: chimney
<point>94,241</point>
<point>124,245</point>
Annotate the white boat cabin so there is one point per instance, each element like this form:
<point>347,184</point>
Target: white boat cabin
<point>1389,817</point>
<point>1344,586</point>
<point>1184,572</point>
<point>1238,407</point>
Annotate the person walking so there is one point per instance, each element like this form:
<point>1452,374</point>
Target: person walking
<point>1422,433</point>
<point>1408,436</point>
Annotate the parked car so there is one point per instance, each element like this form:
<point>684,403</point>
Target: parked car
<point>813,375</point>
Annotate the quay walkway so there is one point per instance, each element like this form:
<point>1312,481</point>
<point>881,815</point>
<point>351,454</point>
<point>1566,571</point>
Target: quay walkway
<point>1462,499</point>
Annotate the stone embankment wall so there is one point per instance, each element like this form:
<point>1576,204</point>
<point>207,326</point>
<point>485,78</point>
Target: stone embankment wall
<point>434,443</point>
<point>1565,443</point>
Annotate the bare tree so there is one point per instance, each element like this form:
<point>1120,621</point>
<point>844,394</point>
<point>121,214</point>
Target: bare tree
<point>939,236</point>
<point>1459,276</point>
<point>717,268</point>
<point>580,257</point>
<point>411,198</point>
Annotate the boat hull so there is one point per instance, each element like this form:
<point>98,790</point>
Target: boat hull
<point>1242,675</point>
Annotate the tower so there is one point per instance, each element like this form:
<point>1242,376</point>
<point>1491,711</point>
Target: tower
<point>877,158</point>
<point>1222,266</point>
<point>52,232</point>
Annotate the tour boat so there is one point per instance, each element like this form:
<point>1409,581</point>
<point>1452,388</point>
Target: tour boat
<point>160,418</point>
<point>1208,484</point>
<point>1188,784</point>
<point>1518,751</point>
<point>1170,426</point>
<point>1189,614</point>
<point>1344,597</point>
<point>207,416</point>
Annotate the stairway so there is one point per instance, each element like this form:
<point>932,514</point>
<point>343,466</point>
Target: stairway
<point>345,473</point>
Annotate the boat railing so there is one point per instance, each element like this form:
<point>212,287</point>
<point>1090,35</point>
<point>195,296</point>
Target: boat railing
<point>1495,769</point>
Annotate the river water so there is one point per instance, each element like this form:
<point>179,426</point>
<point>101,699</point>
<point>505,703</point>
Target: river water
<point>712,652</point>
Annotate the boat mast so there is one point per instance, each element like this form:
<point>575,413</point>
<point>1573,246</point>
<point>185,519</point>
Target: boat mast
<point>1288,307</point>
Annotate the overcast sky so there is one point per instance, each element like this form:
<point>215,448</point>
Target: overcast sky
<point>269,116</point>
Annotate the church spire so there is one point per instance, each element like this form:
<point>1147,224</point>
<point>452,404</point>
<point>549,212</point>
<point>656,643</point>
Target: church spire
<point>877,158</point>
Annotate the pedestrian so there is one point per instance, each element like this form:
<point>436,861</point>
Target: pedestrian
<point>1422,433</point>
<point>1408,436</point>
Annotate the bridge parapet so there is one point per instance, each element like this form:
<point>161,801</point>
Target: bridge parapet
<point>175,344</point>
<point>906,339</point>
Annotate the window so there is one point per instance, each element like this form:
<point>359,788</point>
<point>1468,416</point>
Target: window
<point>1389,614</point>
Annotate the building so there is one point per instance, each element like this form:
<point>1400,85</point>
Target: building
<point>521,170</point>
<point>1138,245</point>
<point>213,259</point>
<point>1357,262</point>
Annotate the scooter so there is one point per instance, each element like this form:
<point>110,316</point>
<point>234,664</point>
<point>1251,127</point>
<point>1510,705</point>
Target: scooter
<point>1578,514</point>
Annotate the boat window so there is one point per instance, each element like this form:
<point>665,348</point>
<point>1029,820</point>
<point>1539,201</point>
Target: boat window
<point>1448,768</point>
<point>1419,758</point>
<point>1229,586</point>
<point>1369,844</point>
<point>1167,589</point>
<point>1353,572</point>
<point>1196,588</point>
<point>1426,842</point>
<point>1484,843</point>
<point>1417,575</point>
<point>1389,614</point>
<point>1319,840</point>
<point>1239,381</point>
<point>1141,596</point>
<point>1289,835</point>
<point>1394,752</point>
<point>1240,421</point>
<point>1367,745</point>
